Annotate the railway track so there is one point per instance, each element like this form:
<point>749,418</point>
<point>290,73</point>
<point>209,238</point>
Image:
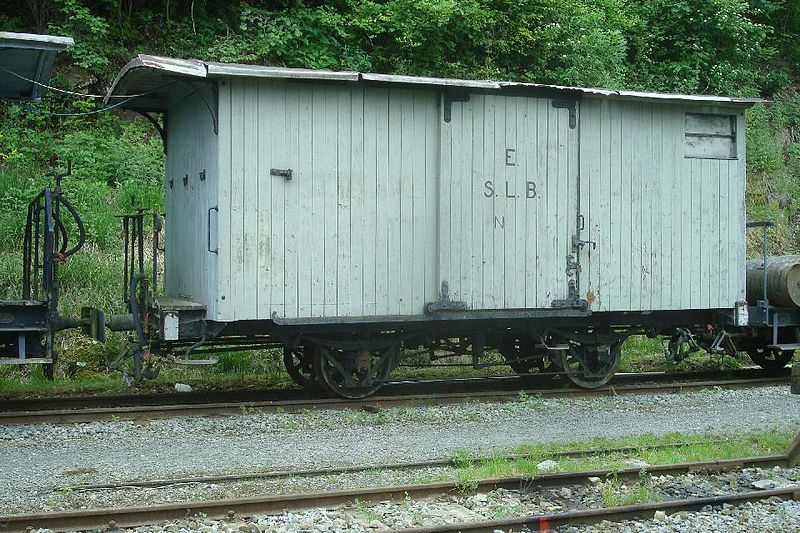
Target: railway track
<point>246,507</point>
<point>333,471</point>
<point>612,514</point>
<point>407,393</point>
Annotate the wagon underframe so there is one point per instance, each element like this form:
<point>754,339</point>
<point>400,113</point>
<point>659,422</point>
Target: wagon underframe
<point>352,358</point>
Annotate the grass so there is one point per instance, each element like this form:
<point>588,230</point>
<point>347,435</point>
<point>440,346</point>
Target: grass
<point>262,369</point>
<point>470,467</point>
<point>365,418</point>
<point>703,448</point>
<point>365,512</point>
<point>83,369</point>
<point>643,354</point>
<point>616,494</point>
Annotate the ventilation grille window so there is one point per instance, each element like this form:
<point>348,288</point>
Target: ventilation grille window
<point>710,136</point>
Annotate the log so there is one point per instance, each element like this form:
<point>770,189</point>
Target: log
<point>783,280</point>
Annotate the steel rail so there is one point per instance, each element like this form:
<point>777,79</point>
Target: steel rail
<point>136,516</point>
<point>396,387</point>
<point>147,412</point>
<point>613,514</point>
<point>327,471</point>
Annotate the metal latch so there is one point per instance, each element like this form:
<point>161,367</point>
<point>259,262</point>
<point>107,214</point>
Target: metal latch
<point>577,243</point>
<point>285,173</point>
<point>573,267</point>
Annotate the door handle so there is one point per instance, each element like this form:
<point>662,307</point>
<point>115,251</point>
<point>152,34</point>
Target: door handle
<point>578,243</point>
<point>208,230</point>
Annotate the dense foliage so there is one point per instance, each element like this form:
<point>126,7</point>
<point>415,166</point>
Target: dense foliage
<point>739,47</point>
<point>715,46</point>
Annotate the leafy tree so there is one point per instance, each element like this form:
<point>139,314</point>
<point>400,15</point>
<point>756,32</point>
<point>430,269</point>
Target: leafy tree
<point>698,46</point>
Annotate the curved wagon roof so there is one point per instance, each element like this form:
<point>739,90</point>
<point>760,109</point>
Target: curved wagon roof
<point>26,60</point>
<point>150,82</point>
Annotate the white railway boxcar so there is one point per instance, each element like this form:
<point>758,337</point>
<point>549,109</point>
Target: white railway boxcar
<point>298,197</point>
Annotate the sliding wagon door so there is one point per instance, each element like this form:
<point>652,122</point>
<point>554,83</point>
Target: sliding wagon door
<point>507,202</point>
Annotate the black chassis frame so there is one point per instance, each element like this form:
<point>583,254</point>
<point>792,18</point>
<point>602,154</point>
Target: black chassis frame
<point>486,328</point>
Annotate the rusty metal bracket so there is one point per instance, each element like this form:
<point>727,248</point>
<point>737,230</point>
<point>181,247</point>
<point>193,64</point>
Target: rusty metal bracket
<point>211,101</point>
<point>444,303</point>
<point>572,106</point>
<point>449,98</point>
<point>578,243</point>
<point>573,301</point>
<point>573,266</point>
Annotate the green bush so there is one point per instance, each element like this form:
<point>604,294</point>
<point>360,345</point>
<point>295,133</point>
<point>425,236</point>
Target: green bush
<point>737,47</point>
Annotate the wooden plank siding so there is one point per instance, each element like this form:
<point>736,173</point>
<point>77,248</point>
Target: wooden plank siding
<point>669,229</point>
<point>388,200</point>
<point>190,270</point>
<point>353,232</point>
<point>501,246</point>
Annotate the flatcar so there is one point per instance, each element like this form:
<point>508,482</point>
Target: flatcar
<point>347,217</point>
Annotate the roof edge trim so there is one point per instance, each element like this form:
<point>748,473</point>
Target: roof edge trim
<point>200,69</point>
<point>258,71</point>
<point>35,40</point>
<point>185,67</point>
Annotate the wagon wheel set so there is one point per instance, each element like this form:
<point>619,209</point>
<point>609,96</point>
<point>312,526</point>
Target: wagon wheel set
<point>770,359</point>
<point>587,361</point>
<point>348,369</point>
<point>357,369</point>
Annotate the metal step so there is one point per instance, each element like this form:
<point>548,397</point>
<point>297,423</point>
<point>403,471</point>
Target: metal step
<point>185,361</point>
<point>175,303</point>
<point>26,361</point>
<point>554,348</point>
<point>784,347</point>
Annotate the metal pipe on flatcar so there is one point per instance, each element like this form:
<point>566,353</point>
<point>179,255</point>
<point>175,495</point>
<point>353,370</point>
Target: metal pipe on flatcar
<point>778,279</point>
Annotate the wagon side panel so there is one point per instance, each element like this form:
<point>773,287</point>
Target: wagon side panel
<point>665,203</point>
<point>329,200</point>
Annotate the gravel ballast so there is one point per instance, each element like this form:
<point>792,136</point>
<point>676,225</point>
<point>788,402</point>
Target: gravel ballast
<point>770,514</point>
<point>38,459</point>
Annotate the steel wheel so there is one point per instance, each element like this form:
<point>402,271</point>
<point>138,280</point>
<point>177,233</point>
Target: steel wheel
<point>299,363</point>
<point>770,360</point>
<point>353,374</point>
<point>591,366</point>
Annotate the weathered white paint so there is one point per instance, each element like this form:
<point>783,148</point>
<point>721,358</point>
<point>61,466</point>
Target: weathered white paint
<point>507,202</point>
<point>353,232</point>
<point>670,229</point>
<point>388,201</point>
